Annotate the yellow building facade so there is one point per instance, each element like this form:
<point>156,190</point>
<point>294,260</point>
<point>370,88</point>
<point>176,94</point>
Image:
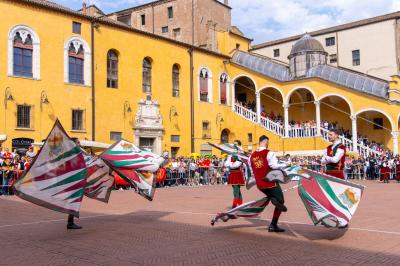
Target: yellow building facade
<point>198,113</point>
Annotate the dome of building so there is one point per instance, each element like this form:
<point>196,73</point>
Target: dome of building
<point>306,53</point>
<point>306,44</point>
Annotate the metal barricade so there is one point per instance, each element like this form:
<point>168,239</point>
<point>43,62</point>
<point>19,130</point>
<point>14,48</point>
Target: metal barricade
<point>193,177</point>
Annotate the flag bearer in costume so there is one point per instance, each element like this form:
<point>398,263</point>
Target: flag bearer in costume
<point>397,167</point>
<point>262,161</point>
<point>236,177</point>
<point>385,171</point>
<point>7,169</point>
<point>70,222</point>
<point>335,155</point>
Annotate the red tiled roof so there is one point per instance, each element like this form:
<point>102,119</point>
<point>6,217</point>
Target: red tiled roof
<point>105,20</point>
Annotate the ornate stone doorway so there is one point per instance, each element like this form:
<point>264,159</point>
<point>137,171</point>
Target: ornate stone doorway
<point>148,128</point>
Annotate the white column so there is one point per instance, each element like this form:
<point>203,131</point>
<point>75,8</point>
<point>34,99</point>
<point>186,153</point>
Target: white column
<point>233,97</point>
<point>286,118</point>
<point>318,116</point>
<point>258,106</point>
<point>354,131</point>
<point>395,135</point>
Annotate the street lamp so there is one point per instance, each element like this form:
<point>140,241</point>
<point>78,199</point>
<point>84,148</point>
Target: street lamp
<point>127,108</point>
<point>172,112</point>
<point>7,96</point>
<point>43,99</point>
<point>219,120</point>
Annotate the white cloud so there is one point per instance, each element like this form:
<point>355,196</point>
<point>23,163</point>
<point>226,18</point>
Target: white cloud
<point>272,19</point>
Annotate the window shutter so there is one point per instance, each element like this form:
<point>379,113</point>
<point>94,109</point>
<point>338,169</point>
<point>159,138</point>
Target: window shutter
<point>203,86</point>
<point>223,92</point>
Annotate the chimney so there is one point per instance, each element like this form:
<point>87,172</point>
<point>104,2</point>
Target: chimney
<point>84,8</point>
<point>226,2</point>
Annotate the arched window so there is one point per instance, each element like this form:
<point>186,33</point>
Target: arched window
<point>147,75</point>
<point>223,80</point>
<point>23,52</point>
<point>23,49</point>
<point>76,59</point>
<point>112,69</point>
<point>225,136</point>
<point>204,76</point>
<point>175,80</point>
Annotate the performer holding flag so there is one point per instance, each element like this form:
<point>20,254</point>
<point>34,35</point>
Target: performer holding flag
<point>262,161</point>
<point>71,225</point>
<point>328,200</point>
<point>236,177</point>
<point>335,155</point>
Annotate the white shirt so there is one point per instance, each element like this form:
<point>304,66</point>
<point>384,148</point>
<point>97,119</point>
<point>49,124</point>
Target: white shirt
<point>30,154</point>
<point>333,159</point>
<point>230,164</point>
<point>175,165</point>
<point>193,166</point>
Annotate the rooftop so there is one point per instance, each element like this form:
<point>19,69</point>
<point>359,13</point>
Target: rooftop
<point>62,9</point>
<point>359,23</point>
<point>349,79</point>
<point>306,44</point>
<point>154,3</point>
<point>94,7</point>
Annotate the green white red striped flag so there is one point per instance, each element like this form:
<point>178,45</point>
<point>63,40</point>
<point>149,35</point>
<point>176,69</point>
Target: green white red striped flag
<point>231,149</point>
<point>329,201</point>
<point>124,154</point>
<point>99,179</point>
<point>247,210</point>
<point>144,182</point>
<point>136,166</point>
<point>57,177</point>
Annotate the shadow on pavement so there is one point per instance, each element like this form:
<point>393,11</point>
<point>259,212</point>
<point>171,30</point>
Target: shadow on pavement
<point>157,238</point>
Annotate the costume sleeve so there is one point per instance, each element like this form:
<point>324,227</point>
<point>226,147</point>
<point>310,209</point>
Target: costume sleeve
<point>228,161</point>
<point>232,165</point>
<point>334,159</point>
<point>324,155</point>
<point>249,164</point>
<point>273,161</point>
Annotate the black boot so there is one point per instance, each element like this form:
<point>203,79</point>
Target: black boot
<point>279,205</point>
<point>74,226</point>
<point>71,224</point>
<point>343,226</point>
<point>273,227</point>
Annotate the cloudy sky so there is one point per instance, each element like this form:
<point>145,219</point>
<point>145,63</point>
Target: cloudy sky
<point>265,20</point>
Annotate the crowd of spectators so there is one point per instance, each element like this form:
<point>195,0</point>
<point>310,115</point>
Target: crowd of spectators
<point>12,165</point>
<point>210,170</point>
<point>372,167</point>
<point>308,128</point>
<point>251,105</point>
<point>204,170</point>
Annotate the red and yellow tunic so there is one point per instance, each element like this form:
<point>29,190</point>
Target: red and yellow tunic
<point>385,171</point>
<point>397,165</point>
<point>336,169</point>
<point>260,167</point>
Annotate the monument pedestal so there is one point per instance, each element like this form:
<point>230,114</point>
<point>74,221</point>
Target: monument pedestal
<point>148,128</point>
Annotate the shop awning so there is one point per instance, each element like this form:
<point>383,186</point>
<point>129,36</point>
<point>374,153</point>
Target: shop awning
<point>3,138</point>
<point>94,146</point>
